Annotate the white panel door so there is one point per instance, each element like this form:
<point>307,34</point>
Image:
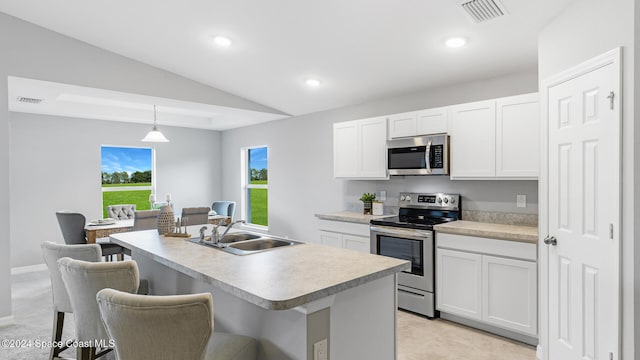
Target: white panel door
<point>509,294</point>
<point>345,149</point>
<point>584,216</point>
<point>373,148</point>
<point>518,136</point>
<point>459,283</point>
<point>473,140</point>
<point>402,125</point>
<point>432,121</point>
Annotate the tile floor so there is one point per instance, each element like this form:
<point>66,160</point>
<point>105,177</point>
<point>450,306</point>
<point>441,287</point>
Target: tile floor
<point>422,339</point>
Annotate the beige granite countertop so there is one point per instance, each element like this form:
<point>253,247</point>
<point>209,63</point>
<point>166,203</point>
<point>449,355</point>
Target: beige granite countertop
<point>278,279</point>
<point>495,231</point>
<point>351,216</point>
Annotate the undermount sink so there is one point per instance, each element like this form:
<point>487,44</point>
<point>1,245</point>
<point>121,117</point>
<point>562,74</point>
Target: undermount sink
<point>244,243</point>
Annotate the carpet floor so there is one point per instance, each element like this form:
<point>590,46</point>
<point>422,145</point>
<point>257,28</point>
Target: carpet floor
<point>418,337</point>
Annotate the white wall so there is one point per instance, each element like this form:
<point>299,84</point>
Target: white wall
<point>301,180</point>
<point>586,29</point>
<point>33,52</point>
<point>55,165</point>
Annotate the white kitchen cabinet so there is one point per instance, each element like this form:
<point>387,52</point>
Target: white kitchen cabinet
<point>402,125</point>
<point>459,281</point>
<point>359,149</point>
<point>346,235</point>
<point>417,123</point>
<point>496,139</point>
<point>473,138</point>
<point>490,281</point>
<point>517,136</point>
<point>432,121</point>
<point>509,293</point>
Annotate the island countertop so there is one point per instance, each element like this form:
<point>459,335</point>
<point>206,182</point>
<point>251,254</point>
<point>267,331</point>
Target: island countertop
<point>277,279</point>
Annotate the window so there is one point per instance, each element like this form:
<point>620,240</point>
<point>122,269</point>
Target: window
<point>127,176</point>
<point>255,199</point>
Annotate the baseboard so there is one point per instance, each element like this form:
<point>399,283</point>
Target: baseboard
<point>6,321</point>
<point>28,269</point>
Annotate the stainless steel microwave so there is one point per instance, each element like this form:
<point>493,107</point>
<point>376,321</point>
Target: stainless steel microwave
<point>422,155</point>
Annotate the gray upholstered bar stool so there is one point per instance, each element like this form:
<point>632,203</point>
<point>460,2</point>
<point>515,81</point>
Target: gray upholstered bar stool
<point>168,327</point>
<point>52,252</point>
<point>83,280</point>
<point>196,215</point>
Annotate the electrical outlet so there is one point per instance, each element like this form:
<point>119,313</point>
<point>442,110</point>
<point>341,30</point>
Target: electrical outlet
<point>521,201</point>
<point>383,195</point>
<point>320,350</point>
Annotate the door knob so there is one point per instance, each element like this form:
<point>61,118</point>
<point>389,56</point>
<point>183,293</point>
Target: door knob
<point>551,240</point>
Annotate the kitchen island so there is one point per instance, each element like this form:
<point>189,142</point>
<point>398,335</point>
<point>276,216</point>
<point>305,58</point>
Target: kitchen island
<point>288,298</point>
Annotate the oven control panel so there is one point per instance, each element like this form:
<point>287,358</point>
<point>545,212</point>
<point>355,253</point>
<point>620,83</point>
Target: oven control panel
<point>430,201</point>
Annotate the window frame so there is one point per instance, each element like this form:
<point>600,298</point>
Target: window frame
<point>246,185</point>
<point>129,188</point>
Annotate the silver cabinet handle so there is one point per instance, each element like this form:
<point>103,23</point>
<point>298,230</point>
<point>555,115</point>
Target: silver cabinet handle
<point>551,240</point>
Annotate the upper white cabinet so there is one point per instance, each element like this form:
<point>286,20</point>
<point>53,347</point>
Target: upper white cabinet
<point>416,123</point>
<point>496,139</point>
<point>517,136</point>
<point>359,149</point>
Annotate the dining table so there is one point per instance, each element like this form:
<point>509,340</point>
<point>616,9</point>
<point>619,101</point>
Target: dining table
<point>96,230</point>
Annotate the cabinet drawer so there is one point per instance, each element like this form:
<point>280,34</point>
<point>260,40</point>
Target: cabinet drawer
<point>512,249</point>
<point>344,227</point>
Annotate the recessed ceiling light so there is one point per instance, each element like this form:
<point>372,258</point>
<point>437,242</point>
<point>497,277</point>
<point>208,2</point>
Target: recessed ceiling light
<point>456,42</point>
<point>312,82</point>
<point>222,41</point>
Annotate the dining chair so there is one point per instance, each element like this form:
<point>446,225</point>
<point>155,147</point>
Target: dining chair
<point>168,327</point>
<point>121,211</point>
<point>196,215</point>
<point>145,220</point>
<point>72,227</point>
<point>224,208</point>
<point>83,280</point>
<point>51,253</point>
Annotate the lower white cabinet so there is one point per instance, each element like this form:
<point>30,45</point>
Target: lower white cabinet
<point>346,235</point>
<point>464,270</point>
<point>488,280</point>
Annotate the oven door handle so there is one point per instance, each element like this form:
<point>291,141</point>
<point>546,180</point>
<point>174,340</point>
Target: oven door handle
<point>400,232</point>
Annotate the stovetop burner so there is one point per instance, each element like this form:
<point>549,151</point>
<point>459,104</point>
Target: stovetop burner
<point>422,211</point>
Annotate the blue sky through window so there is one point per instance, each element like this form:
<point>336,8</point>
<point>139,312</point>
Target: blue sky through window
<point>125,159</point>
<point>258,158</point>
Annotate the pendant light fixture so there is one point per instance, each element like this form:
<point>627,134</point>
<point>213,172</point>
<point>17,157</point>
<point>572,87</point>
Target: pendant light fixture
<point>155,135</point>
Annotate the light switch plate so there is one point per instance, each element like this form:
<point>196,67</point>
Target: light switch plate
<point>521,201</point>
<point>383,195</point>
<point>320,350</point>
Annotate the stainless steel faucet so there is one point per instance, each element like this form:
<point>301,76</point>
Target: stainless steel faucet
<point>216,237</point>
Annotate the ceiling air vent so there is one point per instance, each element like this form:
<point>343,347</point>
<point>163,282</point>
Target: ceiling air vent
<point>483,10</point>
<point>29,100</point>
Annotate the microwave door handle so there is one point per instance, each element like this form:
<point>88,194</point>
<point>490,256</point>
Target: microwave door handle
<point>427,157</point>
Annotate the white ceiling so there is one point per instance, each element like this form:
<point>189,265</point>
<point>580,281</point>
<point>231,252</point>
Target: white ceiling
<point>361,50</point>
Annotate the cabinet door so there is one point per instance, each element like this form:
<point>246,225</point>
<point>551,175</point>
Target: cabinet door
<point>473,139</point>
<point>509,294</point>
<point>357,243</point>
<point>432,121</point>
<point>330,238</point>
<point>402,125</point>
<point>458,283</point>
<point>373,148</point>
<point>518,136</point>
<point>345,149</point>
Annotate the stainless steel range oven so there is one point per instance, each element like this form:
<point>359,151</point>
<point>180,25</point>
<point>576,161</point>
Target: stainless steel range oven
<point>409,236</point>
